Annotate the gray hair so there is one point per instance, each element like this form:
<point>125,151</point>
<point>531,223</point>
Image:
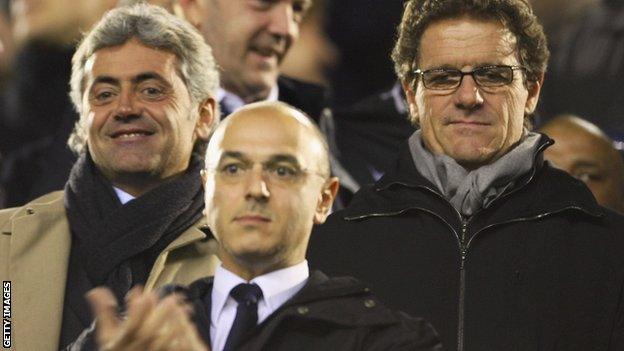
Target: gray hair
<point>154,27</point>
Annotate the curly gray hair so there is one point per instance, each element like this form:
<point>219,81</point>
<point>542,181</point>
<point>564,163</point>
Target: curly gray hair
<point>154,27</point>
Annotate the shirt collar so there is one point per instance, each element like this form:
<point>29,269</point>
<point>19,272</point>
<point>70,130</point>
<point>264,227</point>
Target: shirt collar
<point>277,286</point>
<point>234,102</point>
<point>123,196</point>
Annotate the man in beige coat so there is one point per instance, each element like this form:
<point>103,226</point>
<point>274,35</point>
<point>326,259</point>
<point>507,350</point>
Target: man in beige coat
<point>143,82</point>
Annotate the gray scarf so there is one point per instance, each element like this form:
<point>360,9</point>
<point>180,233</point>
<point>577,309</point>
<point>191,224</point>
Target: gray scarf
<point>470,191</point>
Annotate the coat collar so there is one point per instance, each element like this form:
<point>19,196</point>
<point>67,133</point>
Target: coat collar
<point>403,189</point>
<point>40,243</point>
<point>197,232</point>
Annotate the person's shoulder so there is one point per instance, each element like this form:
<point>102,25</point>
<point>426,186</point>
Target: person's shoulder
<point>290,83</point>
<point>386,329</point>
<point>614,221</point>
<point>309,97</point>
<point>409,333</point>
<point>49,202</point>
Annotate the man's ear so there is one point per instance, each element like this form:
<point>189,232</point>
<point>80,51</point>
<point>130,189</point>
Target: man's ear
<point>190,10</point>
<point>534,89</point>
<point>326,200</point>
<point>207,118</point>
<point>410,96</point>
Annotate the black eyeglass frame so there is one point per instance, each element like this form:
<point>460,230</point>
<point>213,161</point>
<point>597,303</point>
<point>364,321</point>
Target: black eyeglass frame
<point>421,74</point>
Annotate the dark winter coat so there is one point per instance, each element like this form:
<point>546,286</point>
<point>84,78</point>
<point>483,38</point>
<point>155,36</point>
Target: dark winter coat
<point>542,268</point>
<point>327,314</point>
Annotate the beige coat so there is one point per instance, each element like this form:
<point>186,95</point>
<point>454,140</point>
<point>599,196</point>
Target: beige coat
<point>34,252</point>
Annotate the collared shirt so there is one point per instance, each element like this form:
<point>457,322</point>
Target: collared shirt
<point>123,196</point>
<point>232,102</point>
<point>277,288</point>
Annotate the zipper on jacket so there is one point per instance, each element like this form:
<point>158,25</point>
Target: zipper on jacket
<point>462,286</point>
<point>465,245</point>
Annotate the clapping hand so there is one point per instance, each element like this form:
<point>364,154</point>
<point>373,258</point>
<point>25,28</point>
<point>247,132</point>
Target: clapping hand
<point>150,324</point>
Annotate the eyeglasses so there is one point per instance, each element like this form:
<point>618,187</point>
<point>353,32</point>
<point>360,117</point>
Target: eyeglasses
<point>485,76</point>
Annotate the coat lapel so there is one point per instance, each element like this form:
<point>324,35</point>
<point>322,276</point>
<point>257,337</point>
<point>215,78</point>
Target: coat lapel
<point>39,253</point>
<point>189,257</point>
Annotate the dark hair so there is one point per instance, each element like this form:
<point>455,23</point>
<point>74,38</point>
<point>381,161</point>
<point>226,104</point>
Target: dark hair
<point>515,15</point>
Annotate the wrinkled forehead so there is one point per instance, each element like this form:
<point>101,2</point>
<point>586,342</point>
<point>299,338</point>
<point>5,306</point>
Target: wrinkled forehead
<point>457,40</point>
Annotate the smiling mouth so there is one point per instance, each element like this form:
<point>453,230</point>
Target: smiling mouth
<point>266,52</point>
<point>130,134</point>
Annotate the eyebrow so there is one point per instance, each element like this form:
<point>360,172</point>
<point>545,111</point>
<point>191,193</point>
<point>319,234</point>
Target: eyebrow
<point>148,76</point>
<point>105,80</point>
<point>272,160</point>
<point>477,66</point>
<point>141,77</point>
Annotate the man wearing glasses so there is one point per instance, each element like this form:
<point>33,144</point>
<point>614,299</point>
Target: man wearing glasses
<point>471,229</point>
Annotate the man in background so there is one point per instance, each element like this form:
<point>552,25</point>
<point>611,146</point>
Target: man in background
<point>587,153</point>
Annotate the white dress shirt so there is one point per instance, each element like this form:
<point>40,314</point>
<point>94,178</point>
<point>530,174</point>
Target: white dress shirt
<point>233,102</point>
<point>277,288</point>
<point>123,196</point>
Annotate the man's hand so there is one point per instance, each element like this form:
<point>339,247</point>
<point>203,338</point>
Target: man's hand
<point>150,324</point>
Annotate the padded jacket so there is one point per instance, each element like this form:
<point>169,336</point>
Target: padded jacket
<point>541,268</point>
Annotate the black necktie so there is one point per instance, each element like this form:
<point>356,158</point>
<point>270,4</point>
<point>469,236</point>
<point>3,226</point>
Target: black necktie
<point>247,296</point>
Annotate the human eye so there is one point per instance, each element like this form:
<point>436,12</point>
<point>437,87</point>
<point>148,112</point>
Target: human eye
<point>300,8</point>
<point>152,92</point>
<point>283,171</point>
<point>587,176</point>
<point>232,169</point>
<point>493,75</point>
<point>102,95</point>
<point>441,78</point>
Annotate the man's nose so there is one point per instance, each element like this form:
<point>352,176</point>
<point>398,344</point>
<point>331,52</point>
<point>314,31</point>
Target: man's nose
<point>126,105</point>
<point>257,187</point>
<point>282,22</point>
<point>468,95</point>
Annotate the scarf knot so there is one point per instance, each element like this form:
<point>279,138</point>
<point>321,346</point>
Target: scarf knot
<point>471,191</point>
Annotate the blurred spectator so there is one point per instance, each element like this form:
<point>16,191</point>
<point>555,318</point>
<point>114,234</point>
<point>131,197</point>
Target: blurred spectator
<point>585,152</point>
<point>555,14</point>
<point>44,33</point>
<point>363,31</point>
<point>311,57</point>
<point>368,134</point>
<point>6,40</point>
<point>36,116</point>
<point>586,73</point>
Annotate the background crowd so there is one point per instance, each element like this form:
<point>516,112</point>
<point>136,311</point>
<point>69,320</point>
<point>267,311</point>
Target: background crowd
<point>449,202</point>
<point>344,46</point>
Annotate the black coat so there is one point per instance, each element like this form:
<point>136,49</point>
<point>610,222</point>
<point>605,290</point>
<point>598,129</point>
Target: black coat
<point>326,314</point>
<point>542,268</point>
<point>308,97</point>
<point>370,133</point>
